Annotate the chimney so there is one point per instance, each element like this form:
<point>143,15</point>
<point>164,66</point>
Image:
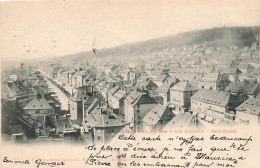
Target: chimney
<point>107,103</point>
<point>101,110</point>
<point>86,89</point>
<point>39,96</point>
<point>96,95</point>
<point>9,83</point>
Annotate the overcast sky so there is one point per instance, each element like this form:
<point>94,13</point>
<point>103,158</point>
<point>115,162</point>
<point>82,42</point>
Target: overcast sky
<point>61,27</point>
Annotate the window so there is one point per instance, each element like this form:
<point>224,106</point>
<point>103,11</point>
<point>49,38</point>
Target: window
<point>138,111</point>
<point>138,105</point>
<point>112,131</point>
<point>99,138</point>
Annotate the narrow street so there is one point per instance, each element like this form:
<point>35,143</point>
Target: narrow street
<point>63,99</point>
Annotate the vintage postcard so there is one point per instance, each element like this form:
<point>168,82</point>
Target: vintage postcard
<point>130,83</point>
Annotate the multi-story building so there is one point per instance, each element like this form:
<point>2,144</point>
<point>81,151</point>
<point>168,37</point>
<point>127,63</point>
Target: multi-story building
<point>40,109</point>
<point>103,124</point>
<point>213,104</point>
<point>164,89</point>
<point>157,118</point>
<point>244,88</point>
<point>137,105</point>
<point>116,100</point>
<point>249,112</point>
<point>181,95</point>
<point>214,81</point>
<point>76,105</point>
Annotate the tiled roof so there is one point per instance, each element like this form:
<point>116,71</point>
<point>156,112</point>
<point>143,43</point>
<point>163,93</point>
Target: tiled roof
<point>244,87</point>
<point>78,94</point>
<point>219,98</point>
<point>211,77</point>
<point>251,106</point>
<point>145,82</point>
<point>184,86</point>
<point>165,87</point>
<point>119,94</point>
<point>156,113</point>
<point>181,120</point>
<point>113,90</point>
<point>139,98</point>
<point>230,71</point>
<point>106,119</point>
<point>40,104</point>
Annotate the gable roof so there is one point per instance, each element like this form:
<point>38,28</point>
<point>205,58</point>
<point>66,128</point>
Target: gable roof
<point>139,98</point>
<point>145,82</point>
<point>156,113</point>
<point>219,98</point>
<point>38,104</point>
<point>105,119</point>
<point>184,86</point>
<point>119,94</point>
<point>78,94</point>
<point>251,106</point>
<point>181,120</point>
<point>113,90</point>
<point>165,87</point>
<point>214,77</point>
<point>244,87</point>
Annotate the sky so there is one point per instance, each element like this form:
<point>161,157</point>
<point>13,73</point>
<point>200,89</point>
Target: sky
<point>40,29</point>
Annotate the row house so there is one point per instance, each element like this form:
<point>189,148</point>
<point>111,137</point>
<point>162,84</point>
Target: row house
<point>17,92</point>
<point>77,79</point>
<point>67,78</point>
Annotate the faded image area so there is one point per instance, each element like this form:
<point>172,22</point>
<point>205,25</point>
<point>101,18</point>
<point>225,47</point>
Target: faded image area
<point>87,72</point>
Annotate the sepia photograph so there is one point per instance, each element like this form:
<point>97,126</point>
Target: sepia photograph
<point>130,83</point>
